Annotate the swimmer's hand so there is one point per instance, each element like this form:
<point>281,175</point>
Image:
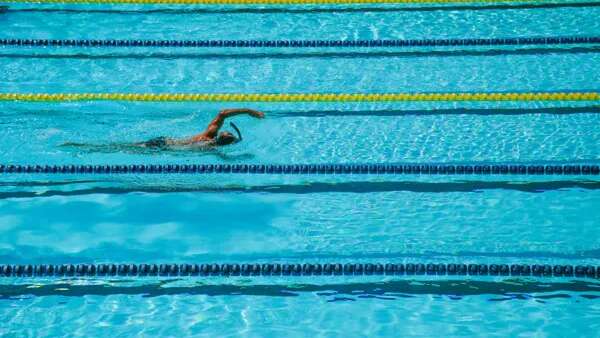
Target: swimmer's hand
<point>232,112</point>
<point>257,114</point>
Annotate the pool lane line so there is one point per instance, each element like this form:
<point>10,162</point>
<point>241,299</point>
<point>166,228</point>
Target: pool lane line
<point>284,43</point>
<point>308,9</point>
<point>571,169</point>
<point>306,97</point>
<point>304,269</point>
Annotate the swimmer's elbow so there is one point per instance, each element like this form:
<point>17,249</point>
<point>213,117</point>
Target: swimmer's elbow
<point>224,113</point>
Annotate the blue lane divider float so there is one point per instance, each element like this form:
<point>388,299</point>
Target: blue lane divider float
<point>313,169</point>
<point>561,40</point>
<point>305,269</point>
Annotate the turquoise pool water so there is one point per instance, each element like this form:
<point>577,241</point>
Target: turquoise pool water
<point>276,218</point>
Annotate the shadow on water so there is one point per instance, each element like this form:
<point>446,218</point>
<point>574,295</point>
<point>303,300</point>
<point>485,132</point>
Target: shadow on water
<point>310,10</point>
<point>310,188</point>
<point>45,183</point>
<point>315,55</point>
<point>163,114</point>
<point>390,290</point>
<point>450,111</point>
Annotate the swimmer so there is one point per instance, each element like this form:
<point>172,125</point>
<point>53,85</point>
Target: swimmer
<point>207,142</point>
<point>210,137</point>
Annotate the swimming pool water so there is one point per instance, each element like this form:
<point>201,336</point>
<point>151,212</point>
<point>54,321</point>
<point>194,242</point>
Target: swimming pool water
<point>276,218</point>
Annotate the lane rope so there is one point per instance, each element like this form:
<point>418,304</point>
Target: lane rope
<point>304,97</point>
<point>279,2</point>
<point>312,169</point>
<point>521,41</point>
<point>305,269</point>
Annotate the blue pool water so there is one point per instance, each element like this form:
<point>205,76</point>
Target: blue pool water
<point>275,218</point>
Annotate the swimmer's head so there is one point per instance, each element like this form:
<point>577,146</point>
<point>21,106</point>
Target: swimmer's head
<point>224,138</point>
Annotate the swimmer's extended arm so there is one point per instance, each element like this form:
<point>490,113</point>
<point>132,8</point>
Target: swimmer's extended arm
<point>213,128</point>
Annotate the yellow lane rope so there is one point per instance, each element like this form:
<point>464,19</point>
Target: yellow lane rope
<point>307,97</point>
<point>272,2</point>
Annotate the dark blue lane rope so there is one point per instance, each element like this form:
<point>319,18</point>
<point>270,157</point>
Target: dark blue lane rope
<point>316,169</point>
<point>562,40</point>
<point>306,269</point>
